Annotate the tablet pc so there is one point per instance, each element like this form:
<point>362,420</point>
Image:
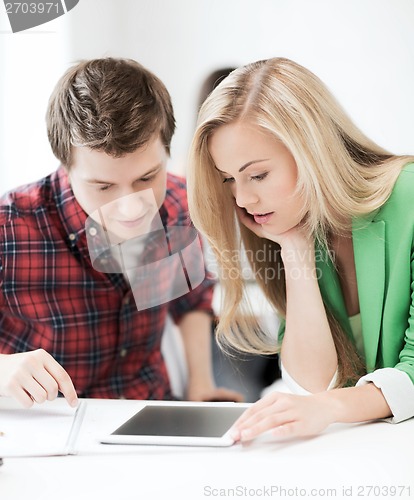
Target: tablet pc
<point>190,425</point>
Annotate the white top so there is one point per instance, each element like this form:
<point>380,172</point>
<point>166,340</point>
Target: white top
<point>396,385</point>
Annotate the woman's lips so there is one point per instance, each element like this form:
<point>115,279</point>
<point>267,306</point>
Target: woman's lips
<point>262,218</point>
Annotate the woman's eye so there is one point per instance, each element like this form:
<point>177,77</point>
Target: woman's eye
<point>104,188</point>
<point>259,177</point>
<point>228,179</point>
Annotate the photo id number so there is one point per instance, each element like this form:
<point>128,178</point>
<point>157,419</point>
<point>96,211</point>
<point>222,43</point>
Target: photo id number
<point>32,8</point>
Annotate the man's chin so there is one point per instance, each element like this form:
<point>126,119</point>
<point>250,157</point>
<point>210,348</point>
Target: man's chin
<point>118,233</point>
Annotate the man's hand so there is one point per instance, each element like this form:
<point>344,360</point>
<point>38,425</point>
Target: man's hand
<point>212,393</point>
<point>34,376</point>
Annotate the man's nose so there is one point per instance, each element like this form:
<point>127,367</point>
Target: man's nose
<point>131,206</point>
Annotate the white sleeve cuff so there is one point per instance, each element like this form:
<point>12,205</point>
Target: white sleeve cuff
<point>295,388</point>
<point>397,389</point>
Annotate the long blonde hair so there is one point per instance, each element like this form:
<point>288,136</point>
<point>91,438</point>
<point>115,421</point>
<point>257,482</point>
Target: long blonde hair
<point>341,174</point>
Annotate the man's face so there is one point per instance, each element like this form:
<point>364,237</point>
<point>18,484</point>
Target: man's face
<point>123,194</point>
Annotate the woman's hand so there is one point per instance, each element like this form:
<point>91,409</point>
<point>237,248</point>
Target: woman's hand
<point>294,238</point>
<point>285,415</point>
<point>34,376</point>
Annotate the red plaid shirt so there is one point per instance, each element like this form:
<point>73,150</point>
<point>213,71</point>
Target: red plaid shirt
<point>51,296</point>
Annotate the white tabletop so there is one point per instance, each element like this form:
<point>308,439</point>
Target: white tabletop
<point>373,460</point>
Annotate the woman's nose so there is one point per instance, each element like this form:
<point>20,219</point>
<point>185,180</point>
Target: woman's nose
<point>245,196</point>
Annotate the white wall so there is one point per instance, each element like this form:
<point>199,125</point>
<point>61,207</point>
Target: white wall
<point>363,50</point>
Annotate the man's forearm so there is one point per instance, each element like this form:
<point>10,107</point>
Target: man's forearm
<point>195,328</point>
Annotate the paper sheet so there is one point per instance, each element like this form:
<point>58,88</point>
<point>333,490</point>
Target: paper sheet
<point>43,430</point>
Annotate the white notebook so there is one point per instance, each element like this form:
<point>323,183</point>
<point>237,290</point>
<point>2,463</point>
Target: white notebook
<point>43,430</point>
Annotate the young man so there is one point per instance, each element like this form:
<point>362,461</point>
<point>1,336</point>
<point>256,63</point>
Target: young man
<point>68,320</point>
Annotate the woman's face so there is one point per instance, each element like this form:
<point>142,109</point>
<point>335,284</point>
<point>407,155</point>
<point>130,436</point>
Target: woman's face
<point>261,174</point>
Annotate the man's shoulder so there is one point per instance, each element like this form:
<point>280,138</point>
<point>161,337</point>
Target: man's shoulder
<point>25,201</point>
<point>176,185</point>
<point>175,202</point>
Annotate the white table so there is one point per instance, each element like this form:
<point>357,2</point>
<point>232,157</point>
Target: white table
<point>343,462</point>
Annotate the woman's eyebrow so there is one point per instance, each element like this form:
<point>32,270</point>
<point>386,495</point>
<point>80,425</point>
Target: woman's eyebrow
<point>243,167</point>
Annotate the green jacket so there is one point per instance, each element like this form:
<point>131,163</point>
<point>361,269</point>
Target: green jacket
<point>384,260</point>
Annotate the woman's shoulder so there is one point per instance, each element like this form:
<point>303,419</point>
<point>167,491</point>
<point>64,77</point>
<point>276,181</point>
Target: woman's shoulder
<point>404,185</point>
<point>402,195</point>
<point>408,169</point>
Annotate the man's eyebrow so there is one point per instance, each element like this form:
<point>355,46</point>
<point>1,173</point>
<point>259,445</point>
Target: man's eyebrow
<point>149,172</point>
<point>243,167</point>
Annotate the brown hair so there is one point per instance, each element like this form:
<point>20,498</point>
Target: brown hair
<point>109,105</point>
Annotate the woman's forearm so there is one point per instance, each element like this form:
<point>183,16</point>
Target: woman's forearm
<point>288,415</point>
<point>355,404</point>
<point>308,350</point>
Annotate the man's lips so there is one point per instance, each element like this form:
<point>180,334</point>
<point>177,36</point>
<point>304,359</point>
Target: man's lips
<point>134,222</point>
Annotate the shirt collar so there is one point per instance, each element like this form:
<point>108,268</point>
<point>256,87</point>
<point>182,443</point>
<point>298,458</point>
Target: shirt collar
<point>71,214</point>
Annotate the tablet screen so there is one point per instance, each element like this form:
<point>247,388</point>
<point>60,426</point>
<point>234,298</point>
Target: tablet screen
<point>181,421</point>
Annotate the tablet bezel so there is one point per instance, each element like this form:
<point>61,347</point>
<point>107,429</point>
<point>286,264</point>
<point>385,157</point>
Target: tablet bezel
<point>132,439</point>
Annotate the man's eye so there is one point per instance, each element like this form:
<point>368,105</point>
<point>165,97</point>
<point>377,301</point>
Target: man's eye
<point>147,179</point>
<point>105,188</point>
<point>228,179</point>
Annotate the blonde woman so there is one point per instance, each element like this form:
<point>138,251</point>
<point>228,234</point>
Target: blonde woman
<point>326,218</point>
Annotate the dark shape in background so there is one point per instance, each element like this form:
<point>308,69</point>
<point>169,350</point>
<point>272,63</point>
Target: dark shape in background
<point>26,15</point>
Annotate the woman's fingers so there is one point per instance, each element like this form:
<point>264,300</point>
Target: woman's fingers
<point>258,410</point>
<point>268,400</point>
<point>249,222</point>
<point>286,415</point>
<point>262,422</point>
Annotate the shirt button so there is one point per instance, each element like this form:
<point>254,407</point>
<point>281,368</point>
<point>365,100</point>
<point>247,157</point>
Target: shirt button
<point>122,397</point>
<point>72,237</point>
<point>93,231</point>
<point>123,353</point>
<point>125,300</point>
